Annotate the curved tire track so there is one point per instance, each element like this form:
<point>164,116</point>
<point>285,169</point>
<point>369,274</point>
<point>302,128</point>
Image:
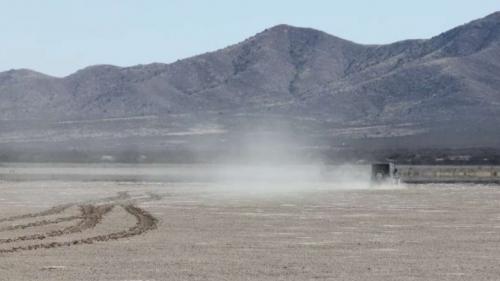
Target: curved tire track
<point>144,222</point>
<point>90,216</point>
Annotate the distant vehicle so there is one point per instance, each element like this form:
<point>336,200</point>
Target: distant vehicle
<point>383,173</point>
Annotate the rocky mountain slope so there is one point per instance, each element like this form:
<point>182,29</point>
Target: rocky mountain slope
<point>439,92</point>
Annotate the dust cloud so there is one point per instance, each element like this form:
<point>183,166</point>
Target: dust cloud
<point>273,163</point>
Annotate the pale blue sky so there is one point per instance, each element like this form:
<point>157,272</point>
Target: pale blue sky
<point>58,37</point>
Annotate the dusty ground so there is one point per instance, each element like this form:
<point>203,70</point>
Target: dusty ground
<point>55,230</point>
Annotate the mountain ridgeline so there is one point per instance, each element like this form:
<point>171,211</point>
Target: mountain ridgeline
<point>331,96</point>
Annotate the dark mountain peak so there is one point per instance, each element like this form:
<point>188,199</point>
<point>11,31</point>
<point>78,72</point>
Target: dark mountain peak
<point>298,40</point>
<point>290,51</point>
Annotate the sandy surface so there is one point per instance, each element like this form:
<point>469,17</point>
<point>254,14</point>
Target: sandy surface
<point>196,231</point>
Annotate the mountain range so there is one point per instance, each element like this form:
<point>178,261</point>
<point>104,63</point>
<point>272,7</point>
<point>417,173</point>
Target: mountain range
<point>324,93</point>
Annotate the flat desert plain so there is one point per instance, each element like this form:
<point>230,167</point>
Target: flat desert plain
<point>144,229</point>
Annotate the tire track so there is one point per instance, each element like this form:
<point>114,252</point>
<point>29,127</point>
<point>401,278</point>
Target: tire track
<point>52,211</point>
<point>90,217</point>
<point>61,208</point>
<point>91,214</point>
<point>39,223</point>
<point>144,222</point>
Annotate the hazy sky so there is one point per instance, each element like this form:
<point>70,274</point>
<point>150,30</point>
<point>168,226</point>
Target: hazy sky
<point>58,37</point>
